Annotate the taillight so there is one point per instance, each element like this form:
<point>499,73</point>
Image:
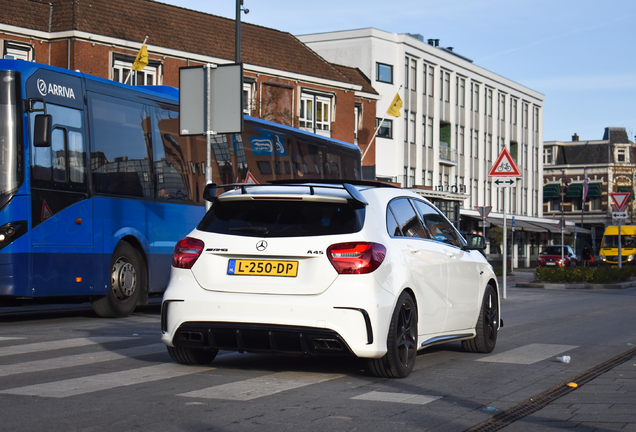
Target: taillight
<point>186,252</point>
<point>356,258</point>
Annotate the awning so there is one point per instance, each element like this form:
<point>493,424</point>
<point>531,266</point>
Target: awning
<point>575,190</point>
<point>552,190</point>
<point>539,225</point>
<point>593,189</point>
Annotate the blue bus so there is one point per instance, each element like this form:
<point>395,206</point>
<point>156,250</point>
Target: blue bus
<point>97,186</point>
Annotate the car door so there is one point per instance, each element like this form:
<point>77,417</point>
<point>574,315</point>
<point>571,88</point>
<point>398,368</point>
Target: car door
<point>426,262</point>
<point>463,269</point>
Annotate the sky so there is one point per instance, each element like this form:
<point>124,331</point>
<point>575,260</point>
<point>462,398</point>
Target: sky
<point>580,54</point>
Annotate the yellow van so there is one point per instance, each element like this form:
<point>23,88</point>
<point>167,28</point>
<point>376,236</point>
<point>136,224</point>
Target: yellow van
<point>609,245</point>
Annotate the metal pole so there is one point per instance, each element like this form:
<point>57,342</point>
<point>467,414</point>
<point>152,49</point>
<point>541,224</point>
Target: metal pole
<point>620,250</point>
<point>208,128</point>
<point>505,245</point>
<point>237,48</point>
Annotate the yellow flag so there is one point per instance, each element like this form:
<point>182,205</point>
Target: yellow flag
<point>142,59</point>
<point>396,106</point>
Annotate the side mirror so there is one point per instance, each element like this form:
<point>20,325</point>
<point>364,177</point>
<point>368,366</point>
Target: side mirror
<point>476,242</point>
<point>209,193</point>
<point>42,130</point>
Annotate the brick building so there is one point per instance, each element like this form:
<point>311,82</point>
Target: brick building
<point>284,81</point>
<point>609,165</point>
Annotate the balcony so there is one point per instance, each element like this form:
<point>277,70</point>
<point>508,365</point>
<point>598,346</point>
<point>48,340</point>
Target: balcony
<point>447,155</point>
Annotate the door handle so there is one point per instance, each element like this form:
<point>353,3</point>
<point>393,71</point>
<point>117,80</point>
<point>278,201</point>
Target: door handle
<point>414,250</point>
<point>451,255</point>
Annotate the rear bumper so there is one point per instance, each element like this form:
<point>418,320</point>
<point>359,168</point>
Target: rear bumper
<point>351,317</point>
<point>246,337</point>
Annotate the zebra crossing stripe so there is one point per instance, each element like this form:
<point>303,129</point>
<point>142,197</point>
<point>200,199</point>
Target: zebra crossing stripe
<point>528,354</point>
<point>59,344</point>
<point>259,387</point>
<point>408,398</point>
<point>80,359</point>
<point>107,381</point>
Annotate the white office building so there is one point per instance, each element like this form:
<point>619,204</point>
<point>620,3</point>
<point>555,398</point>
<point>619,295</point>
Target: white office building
<point>456,117</point>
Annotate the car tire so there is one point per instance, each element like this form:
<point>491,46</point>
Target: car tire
<point>192,356</point>
<point>401,342</point>
<point>487,326</point>
<point>127,280</point>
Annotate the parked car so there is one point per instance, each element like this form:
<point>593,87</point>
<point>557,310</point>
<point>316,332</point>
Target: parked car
<point>323,268</point>
<point>551,257</point>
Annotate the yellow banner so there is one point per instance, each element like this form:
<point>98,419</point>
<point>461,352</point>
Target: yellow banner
<point>142,59</point>
<point>396,106</point>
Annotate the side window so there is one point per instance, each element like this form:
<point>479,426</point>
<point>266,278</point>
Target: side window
<point>120,161</point>
<point>407,223</point>
<point>440,228</point>
<point>63,165</point>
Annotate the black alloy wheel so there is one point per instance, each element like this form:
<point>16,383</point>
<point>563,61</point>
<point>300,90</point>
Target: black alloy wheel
<point>487,326</point>
<point>401,353</point>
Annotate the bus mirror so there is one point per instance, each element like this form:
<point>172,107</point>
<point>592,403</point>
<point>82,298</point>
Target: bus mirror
<point>209,193</point>
<point>42,130</point>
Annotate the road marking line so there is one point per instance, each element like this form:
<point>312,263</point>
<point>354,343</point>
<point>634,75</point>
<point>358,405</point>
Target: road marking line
<point>3,338</point>
<point>408,398</point>
<point>80,359</point>
<point>259,387</point>
<point>107,381</point>
<point>59,344</point>
<point>528,354</point>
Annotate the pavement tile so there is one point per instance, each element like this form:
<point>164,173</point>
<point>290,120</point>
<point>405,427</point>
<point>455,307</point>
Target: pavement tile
<point>600,427</point>
<point>530,424</point>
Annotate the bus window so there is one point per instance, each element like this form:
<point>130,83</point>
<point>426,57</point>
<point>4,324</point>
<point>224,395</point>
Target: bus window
<point>176,159</point>
<point>120,132</point>
<point>63,165</point>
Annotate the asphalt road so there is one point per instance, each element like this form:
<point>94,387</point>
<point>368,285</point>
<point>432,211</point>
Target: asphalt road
<point>64,369</point>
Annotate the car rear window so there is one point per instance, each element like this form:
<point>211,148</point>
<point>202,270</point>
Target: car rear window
<point>280,218</point>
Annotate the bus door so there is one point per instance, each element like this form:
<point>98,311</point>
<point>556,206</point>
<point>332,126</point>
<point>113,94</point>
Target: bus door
<point>62,260</point>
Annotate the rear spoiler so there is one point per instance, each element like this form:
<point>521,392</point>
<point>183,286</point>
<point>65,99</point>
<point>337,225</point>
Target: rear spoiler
<point>211,189</point>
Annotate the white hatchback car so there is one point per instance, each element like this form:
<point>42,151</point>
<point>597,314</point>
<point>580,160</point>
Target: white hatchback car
<point>327,268</point>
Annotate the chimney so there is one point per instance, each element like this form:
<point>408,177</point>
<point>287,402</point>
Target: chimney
<point>436,43</point>
<point>431,42</point>
<point>575,137</point>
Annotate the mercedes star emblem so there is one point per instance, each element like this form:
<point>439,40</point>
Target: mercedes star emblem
<point>261,245</point>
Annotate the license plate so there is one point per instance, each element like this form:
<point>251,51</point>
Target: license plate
<point>550,263</point>
<point>262,268</point>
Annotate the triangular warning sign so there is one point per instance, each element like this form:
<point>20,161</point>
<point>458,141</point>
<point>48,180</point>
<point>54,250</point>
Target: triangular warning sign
<point>504,166</point>
<point>249,178</point>
<point>620,199</point>
<point>46,211</point>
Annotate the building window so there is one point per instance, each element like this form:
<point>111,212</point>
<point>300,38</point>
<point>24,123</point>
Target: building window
<point>548,155</point>
<point>620,155</point>
<point>357,121</point>
<point>384,73</point>
<point>315,112</point>
<point>386,130</point>
<point>122,72</point>
<point>247,98</point>
<point>444,79</point>
<point>595,203</point>
<point>17,51</point>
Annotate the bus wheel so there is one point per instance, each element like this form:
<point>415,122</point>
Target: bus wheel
<point>127,280</point>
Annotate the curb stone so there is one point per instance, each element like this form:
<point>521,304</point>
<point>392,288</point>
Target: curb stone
<point>588,286</point>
